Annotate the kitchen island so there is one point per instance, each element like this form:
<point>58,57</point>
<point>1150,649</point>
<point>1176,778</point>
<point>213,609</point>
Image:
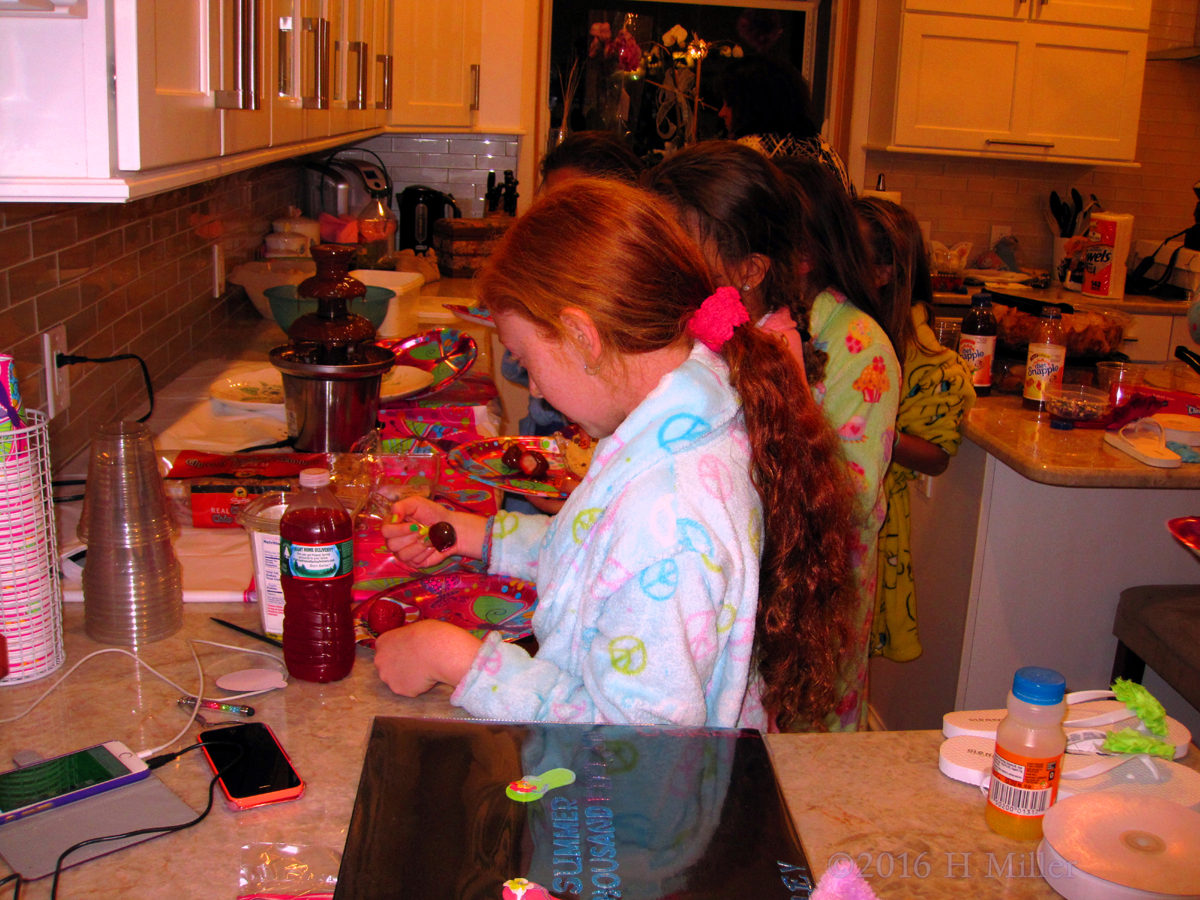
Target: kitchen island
<point>1021,551</point>
<point>877,798</point>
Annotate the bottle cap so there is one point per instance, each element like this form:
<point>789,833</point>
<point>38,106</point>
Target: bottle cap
<point>1045,687</point>
<point>314,477</point>
<point>983,300</point>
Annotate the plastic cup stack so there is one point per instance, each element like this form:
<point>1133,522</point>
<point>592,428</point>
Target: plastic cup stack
<point>132,580</point>
<point>30,599</point>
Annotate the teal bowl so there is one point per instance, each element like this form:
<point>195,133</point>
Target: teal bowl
<point>286,306</point>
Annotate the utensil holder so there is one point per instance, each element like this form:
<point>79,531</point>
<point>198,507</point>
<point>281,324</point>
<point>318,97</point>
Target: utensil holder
<point>30,594</point>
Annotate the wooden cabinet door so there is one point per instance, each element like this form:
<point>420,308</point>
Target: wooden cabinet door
<point>380,63</point>
<point>1127,14</point>
<point>245,57</point>
<point>998,9</point>
<point>164,55</point>
<point>1019,87</point>
<point>436,68</point>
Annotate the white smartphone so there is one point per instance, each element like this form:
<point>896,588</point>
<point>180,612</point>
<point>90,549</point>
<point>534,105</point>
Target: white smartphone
<point>64,779</point>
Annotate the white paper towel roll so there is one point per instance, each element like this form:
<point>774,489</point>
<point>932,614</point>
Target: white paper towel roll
<point>1110,236</point>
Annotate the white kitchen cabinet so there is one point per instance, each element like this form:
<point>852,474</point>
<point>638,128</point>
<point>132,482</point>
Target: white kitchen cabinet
<point>436,76</point>
<point>1018,87</point>
<point>244,58</point>
<point>381,63</point>
<point>1108,13</point>
<point>1148,338</point>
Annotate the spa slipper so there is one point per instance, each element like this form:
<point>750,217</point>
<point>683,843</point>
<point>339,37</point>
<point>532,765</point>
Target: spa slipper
<point>1086,710</point>
<point>1145,441</point>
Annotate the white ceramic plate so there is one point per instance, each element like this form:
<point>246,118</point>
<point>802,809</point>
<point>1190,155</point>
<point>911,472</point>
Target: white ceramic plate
<point>262,389</point>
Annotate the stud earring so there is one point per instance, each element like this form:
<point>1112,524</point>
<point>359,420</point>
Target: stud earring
<point>745,287</point>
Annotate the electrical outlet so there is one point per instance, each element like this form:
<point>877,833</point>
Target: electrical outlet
<point>999,231</point>
<point>57,382</point>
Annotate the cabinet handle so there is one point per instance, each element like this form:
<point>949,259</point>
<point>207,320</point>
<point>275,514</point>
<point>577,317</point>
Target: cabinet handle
<point>286,88</point>
<point>475,93</point>
<point>247,56</point>
<point>1019,143</point>
<point>385,100</point>
<point>320,28</point>
<point>358,98</point>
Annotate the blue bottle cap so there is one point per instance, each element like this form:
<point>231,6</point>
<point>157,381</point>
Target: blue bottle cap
<point>1045,687</point>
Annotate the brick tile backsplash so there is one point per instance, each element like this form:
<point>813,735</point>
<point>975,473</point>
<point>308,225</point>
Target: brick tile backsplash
<point>130,278</point>
<point>962,198</point>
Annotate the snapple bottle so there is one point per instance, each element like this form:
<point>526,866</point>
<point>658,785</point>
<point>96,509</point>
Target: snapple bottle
<point>977,342</point>
<point>315,570</point>
<point>1047,356</point>
<point>1027,764</point>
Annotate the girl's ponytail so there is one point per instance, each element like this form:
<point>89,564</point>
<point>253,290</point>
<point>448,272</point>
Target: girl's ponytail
<point>807,580</point>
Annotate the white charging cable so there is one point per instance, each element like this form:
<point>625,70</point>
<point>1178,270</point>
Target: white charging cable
<point>199,696</point>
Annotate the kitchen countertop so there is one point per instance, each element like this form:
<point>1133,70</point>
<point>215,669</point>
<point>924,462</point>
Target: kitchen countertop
<point>1131,304</point>
<point>877,797</point>
<point>1024,441</point>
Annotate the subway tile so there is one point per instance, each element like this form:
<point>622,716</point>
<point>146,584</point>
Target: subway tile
<point>419,145</point>
<point>4,298</point>
<point>447,161</point>
<point>28,279</point>
<point>16,246</point>
<point>18,321</point>
<point>57,305</point>
<point>76,260</point>
<point>24,213</point>
<point>54,233</point>
<point>81,325</point>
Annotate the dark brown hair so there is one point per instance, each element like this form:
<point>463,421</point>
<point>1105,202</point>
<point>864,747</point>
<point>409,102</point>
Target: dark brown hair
<point>733,197</point>
<point>833,247</point>
<point>598,153</point>
<point>894,239</point>
<point>618,253</point>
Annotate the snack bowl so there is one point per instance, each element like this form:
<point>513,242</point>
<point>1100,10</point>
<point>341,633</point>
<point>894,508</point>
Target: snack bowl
<point>259,275</point>
<point>1077,403</point>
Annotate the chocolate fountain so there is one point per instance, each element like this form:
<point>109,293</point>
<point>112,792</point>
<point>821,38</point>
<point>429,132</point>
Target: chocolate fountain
<point>331,368</point>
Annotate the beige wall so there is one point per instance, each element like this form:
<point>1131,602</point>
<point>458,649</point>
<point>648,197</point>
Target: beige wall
<point>132,278</point>
<point>962,198</point>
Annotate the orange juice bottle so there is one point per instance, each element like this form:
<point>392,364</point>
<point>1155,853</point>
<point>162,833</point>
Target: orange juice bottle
<point>1027,764</point>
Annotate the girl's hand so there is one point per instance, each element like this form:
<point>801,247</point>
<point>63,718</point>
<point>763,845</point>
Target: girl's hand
<point>413,658</point>
<point>405,539</point>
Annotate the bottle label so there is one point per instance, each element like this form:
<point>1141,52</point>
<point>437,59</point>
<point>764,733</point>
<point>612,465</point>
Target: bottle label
<point>316,562</point>
<point>1043,369</point>
<point>1022,785</point>
<point>978,351</point>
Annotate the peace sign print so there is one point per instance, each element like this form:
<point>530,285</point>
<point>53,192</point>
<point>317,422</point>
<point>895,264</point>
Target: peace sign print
<point>695,537</point>
<point>680,430</point>
<point>583,523</point>
<point>627,654</point>
<point>660,580</point>
<point>715,477</point>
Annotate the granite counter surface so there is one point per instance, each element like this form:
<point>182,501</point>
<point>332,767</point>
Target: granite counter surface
<point>878,798</point>
<point>1024,441</point>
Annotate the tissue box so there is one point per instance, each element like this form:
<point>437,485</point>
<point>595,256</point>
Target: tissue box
<point>462,245</point>
<point>1187,265</point>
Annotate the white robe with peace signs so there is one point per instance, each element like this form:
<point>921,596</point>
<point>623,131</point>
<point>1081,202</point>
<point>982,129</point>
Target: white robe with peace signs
<point>647,579</point>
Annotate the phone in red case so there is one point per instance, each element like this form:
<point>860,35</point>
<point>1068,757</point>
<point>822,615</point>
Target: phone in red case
<point>262,773</point>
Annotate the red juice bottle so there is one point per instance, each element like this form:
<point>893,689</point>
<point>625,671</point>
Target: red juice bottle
<point>315,570</point>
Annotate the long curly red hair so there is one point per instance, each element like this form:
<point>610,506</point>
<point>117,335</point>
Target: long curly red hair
<point>619,253</point>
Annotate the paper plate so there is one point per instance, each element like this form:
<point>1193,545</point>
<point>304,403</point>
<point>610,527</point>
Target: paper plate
<point>404,381</point>
<point>250,390</point>
<point>481,461</point>
<point>478,603</point>
<point>261,389</point>
<point>475,314</point>
<point>445,353</point>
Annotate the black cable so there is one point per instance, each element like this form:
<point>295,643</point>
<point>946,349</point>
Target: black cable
<point>68,359</point>
<point>154,762</point>
<point>15,877</point>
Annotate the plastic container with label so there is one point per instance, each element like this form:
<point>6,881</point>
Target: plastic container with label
<point>1027,764</point>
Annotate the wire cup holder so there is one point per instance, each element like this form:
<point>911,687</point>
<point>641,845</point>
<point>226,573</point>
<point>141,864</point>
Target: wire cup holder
<point>30,594</point>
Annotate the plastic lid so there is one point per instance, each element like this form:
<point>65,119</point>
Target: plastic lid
<point>313,478</point>
<point>983,299</point>
<point>1045,687</point>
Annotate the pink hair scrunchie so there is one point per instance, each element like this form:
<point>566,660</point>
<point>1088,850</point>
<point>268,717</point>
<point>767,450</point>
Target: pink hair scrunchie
<point>713,323</point>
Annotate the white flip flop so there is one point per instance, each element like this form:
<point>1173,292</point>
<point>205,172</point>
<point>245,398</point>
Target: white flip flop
<point>1085,710</point>
<point>969,760</point>
<point>1146,442</point>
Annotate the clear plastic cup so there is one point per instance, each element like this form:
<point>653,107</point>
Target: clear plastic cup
<point>1118,378</point>
<point>124,502</point>
<point>132,595</point>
